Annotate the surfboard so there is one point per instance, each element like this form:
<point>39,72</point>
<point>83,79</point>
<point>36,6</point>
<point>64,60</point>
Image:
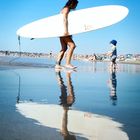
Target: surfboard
<point>79,21</point>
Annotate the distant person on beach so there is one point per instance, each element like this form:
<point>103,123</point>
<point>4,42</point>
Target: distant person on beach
<point>113,54</point>
<point>66,40</point>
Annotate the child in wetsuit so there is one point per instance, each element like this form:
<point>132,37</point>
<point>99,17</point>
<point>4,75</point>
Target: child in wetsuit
<point>113,54</point>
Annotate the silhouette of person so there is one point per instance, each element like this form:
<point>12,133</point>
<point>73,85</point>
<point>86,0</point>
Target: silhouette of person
<point>67,99</point>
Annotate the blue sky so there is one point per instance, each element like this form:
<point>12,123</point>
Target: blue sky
<point>16,13</point>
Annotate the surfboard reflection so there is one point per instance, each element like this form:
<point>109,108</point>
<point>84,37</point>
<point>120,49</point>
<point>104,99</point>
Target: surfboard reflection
<point>73,124</point>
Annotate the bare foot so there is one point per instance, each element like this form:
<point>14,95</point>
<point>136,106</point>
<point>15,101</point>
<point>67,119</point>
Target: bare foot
<point>70,66</point>
<point>58,66</point>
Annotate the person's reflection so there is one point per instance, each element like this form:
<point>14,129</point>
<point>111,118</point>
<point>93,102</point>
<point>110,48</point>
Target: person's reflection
<point>113,87</point>
<point>19,84</point>
<point>18,98</point>
<point>67,98</point>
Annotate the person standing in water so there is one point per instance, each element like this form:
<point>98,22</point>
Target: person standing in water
<point>66,40</point>
<point>113,54</point>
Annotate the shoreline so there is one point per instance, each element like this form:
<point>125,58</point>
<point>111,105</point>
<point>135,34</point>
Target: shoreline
<point>96,91</point>
<point>12,60</point>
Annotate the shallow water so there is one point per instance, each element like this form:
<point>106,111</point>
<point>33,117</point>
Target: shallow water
<point>92,89</point>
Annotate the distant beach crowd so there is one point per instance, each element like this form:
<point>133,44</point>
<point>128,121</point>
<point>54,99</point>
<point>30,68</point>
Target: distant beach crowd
<point>125,58</point>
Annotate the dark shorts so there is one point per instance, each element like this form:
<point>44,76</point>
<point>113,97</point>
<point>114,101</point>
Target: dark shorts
<point>65,40</point>
<point>113,59</point>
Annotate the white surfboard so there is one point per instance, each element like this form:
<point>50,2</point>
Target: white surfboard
<point>79,21</point>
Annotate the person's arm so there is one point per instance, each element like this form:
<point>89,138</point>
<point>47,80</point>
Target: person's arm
<point>111,51</point>
<point>65,20</point>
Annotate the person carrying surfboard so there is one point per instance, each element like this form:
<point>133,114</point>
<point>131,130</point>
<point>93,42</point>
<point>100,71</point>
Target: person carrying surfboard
<point>66,40</point>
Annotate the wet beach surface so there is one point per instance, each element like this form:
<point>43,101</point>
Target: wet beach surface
<point>39,103</point>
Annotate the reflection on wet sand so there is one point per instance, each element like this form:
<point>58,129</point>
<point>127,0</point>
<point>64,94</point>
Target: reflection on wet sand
<point>71,122</point>
<point>67,98</point>
<point>113,86</point>
<point>79,123</point>
<point>19,81</point>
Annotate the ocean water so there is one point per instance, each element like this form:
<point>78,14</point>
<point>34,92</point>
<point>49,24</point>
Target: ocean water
<point>32,100</point>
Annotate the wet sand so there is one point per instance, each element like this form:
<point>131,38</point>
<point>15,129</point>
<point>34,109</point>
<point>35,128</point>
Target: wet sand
<point>39,103</point>
<point>87,125</point>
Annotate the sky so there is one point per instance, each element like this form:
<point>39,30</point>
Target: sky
<point>16,13</point>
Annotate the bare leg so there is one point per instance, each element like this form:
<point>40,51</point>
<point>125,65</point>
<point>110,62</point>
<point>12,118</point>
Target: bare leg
<point>69,41</point>
<point>61,53</point>
<point>66,41</point>
<point>70,53</point>
<point>111,65</point>
<point>70,89</point>
<point>60,57</point>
